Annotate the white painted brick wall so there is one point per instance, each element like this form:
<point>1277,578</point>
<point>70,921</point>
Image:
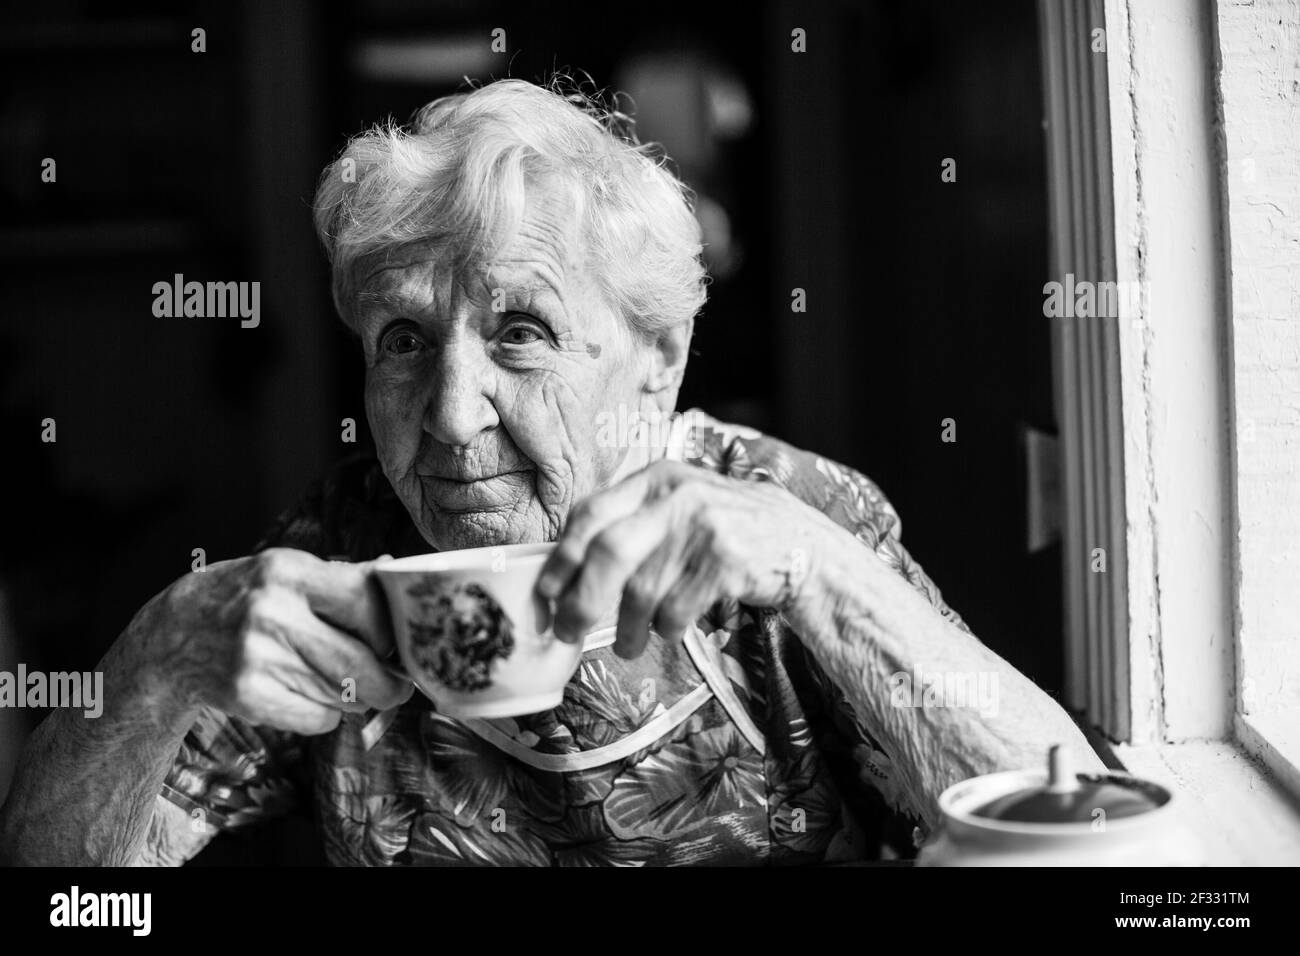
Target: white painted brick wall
<point>1260,83</point>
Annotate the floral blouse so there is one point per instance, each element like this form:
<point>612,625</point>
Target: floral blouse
<point>729,748</point>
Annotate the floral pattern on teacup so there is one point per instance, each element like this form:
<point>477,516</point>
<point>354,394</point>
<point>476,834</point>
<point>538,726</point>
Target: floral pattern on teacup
<point>460,631</point>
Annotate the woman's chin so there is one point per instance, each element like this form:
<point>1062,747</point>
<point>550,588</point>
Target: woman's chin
<point>480,529</point>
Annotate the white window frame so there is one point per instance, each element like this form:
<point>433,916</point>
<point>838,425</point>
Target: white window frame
<point>1176,446</point>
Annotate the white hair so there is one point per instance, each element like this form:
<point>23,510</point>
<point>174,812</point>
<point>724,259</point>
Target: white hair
<point>460,172</point>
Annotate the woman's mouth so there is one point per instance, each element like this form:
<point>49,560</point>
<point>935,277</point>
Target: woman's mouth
<point>476,493</point>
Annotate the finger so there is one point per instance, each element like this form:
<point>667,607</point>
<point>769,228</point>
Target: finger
<point>347,667</point>
<point>611,558</point>
<point>265,701</point>
<point>337,591</point>
<point>591,517</point>
<point>691,596</point>
<point>302,679</point>
<point>289,666</point>
<point>635,611</point>
<point>271,650</point>
<point>671,590</point>
<point>675,615</point>
<point>644,594</point>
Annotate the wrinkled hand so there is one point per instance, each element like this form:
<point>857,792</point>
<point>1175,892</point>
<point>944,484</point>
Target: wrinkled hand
<point>672,539</point>
<point>275,638</point>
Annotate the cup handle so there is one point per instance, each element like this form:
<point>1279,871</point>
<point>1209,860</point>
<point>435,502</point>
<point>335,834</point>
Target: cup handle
<point>378,725</point>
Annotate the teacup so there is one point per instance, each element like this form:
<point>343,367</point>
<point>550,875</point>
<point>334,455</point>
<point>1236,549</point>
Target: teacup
<point>473,634</point>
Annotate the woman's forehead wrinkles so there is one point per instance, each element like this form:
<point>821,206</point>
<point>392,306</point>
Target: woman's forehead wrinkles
<point>541,258</point>
<point>379,298</point>
<point>531,267</point>
<point>418,281</point>
<point>387,261</point>
<point>524,276</point>
<point>548,229</point>
<point>547,238</point>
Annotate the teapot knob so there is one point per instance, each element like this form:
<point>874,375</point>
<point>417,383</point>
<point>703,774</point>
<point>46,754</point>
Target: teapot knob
<point>1060,771</point>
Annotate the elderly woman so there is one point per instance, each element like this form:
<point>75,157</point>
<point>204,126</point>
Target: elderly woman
<point>519,273</point>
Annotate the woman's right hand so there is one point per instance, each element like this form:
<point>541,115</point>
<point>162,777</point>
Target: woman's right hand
<point>279,638</point>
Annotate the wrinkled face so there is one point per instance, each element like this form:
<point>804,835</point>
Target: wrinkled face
<point>483,389</point>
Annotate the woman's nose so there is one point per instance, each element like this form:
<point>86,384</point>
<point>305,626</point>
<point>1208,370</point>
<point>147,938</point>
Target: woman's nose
<point>459,406</point>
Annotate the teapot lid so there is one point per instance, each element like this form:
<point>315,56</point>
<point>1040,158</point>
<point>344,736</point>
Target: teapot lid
<point>1070,797</point>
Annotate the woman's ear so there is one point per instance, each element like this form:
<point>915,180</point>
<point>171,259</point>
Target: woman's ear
<point>668,359</point>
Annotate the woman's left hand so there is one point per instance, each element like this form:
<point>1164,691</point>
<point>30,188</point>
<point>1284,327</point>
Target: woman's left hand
<point>672,539</point>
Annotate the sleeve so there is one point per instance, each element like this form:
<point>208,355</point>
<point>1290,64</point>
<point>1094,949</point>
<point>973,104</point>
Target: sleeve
<point>858,505</point>
<point>848,497</point>
<point>230,774</point>
<point>855,503</point>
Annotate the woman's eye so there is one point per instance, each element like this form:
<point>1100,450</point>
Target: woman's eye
<point>401,342</point>
<point>521,334</point>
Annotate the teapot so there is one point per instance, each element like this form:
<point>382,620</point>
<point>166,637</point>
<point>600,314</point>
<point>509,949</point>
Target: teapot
<point>1059,818</point>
